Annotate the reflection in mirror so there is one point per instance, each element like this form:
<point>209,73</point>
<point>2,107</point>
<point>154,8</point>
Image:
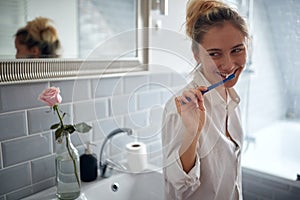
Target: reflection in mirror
<point>122,49</point>
<point>82,25</point>
<point>38,39</point>
<point>104,20</point>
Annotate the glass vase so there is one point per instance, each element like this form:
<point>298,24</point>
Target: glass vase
<point>67,168</point>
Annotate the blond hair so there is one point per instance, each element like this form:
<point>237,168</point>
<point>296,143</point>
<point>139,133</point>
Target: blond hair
<point>40,32</point>
<point>202,15</point>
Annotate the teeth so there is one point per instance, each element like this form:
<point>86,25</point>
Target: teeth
<point>224,75</point>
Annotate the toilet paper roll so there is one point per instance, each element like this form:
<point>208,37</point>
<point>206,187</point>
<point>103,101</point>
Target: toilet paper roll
<point>137,156</point>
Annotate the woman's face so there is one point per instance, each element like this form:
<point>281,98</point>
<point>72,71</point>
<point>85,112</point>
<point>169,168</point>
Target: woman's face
<point>23,51</point>
<point>222,52</point>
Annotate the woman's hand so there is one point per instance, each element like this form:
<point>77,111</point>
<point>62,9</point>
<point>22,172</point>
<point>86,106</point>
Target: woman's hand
<point>192,110</point>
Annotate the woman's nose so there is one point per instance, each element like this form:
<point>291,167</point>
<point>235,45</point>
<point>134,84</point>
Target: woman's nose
<point>228,63</point>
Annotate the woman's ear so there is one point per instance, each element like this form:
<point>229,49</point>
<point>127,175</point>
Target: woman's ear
<point>195,49</point>
<point>35,52</point>
<point>197,56</point>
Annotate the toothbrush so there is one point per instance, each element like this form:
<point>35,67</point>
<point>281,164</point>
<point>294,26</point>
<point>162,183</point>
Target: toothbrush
<point>230,77</point>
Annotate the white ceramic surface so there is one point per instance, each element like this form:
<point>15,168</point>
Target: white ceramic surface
<point>276,150</point>
<point>140,186</point>
<point>146,186</point>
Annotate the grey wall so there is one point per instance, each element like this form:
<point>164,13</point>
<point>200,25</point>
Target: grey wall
<point>26,143</point>
<point>284,24</point>
<point>276,60</point>
<point>272,90</point>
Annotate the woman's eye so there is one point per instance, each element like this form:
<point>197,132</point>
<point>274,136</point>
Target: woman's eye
<point>237,50</point>
<point>214,54</point>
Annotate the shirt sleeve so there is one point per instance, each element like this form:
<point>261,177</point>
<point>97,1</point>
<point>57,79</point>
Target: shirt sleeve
<point>179,179</point>
<point>181,183</point>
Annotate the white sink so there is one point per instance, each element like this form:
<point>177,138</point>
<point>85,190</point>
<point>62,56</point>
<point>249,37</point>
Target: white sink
<point>144,186</point>
<point>123,186</point>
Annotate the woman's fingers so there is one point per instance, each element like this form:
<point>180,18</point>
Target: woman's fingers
<point>200,97</point>
<point>189,96</point>
<point>182,103</point>
<point>194,96</point>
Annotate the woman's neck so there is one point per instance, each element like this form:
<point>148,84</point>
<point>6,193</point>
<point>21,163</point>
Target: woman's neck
<point>223,92</point>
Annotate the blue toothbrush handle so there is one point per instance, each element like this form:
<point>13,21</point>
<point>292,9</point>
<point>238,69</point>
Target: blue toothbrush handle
<point>212,87</point>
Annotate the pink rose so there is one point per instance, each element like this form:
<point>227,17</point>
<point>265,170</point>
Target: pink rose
<point>50,96</point>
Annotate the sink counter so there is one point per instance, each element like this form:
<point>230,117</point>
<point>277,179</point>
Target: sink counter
<point>146,185</point>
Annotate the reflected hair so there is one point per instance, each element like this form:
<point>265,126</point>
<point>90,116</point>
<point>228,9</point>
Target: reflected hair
<point>42,34</point>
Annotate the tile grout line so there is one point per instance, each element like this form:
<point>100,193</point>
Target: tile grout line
<point>1,160</point>
<point>26,123</point>
<point>27,136</point>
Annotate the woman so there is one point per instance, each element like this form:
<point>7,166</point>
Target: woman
<point>202,136</point>
<point>38,39</point>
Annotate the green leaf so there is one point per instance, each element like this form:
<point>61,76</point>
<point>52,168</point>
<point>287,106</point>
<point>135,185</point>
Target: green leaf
<point>70,128</point>
<point>82,127</point>
<point>64,115</point>
<point>54,126</point>
<point>58,133</point>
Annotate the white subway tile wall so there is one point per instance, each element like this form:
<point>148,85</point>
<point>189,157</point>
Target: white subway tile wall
<point>28,148</point>
<point>27,143</point>
<point>45,116</point>
<point>18,130</point>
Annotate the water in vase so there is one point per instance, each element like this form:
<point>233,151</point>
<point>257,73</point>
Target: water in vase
<point>68,186</point>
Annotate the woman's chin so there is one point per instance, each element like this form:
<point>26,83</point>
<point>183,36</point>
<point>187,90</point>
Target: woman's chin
<point>231,83</point>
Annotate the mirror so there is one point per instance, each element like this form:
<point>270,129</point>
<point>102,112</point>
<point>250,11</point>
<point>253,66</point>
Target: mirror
<point>97,37</point>
<point>81,24</point>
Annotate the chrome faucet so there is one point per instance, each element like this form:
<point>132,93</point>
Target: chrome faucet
<point>107,166</point>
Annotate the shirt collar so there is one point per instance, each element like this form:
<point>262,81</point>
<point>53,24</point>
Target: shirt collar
<point>214,99</point>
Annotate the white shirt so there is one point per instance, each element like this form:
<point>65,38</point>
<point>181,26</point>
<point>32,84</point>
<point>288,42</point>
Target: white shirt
<point>216,174</point>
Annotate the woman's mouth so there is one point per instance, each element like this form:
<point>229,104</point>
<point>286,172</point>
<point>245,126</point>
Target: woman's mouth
<point>225,75</point>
